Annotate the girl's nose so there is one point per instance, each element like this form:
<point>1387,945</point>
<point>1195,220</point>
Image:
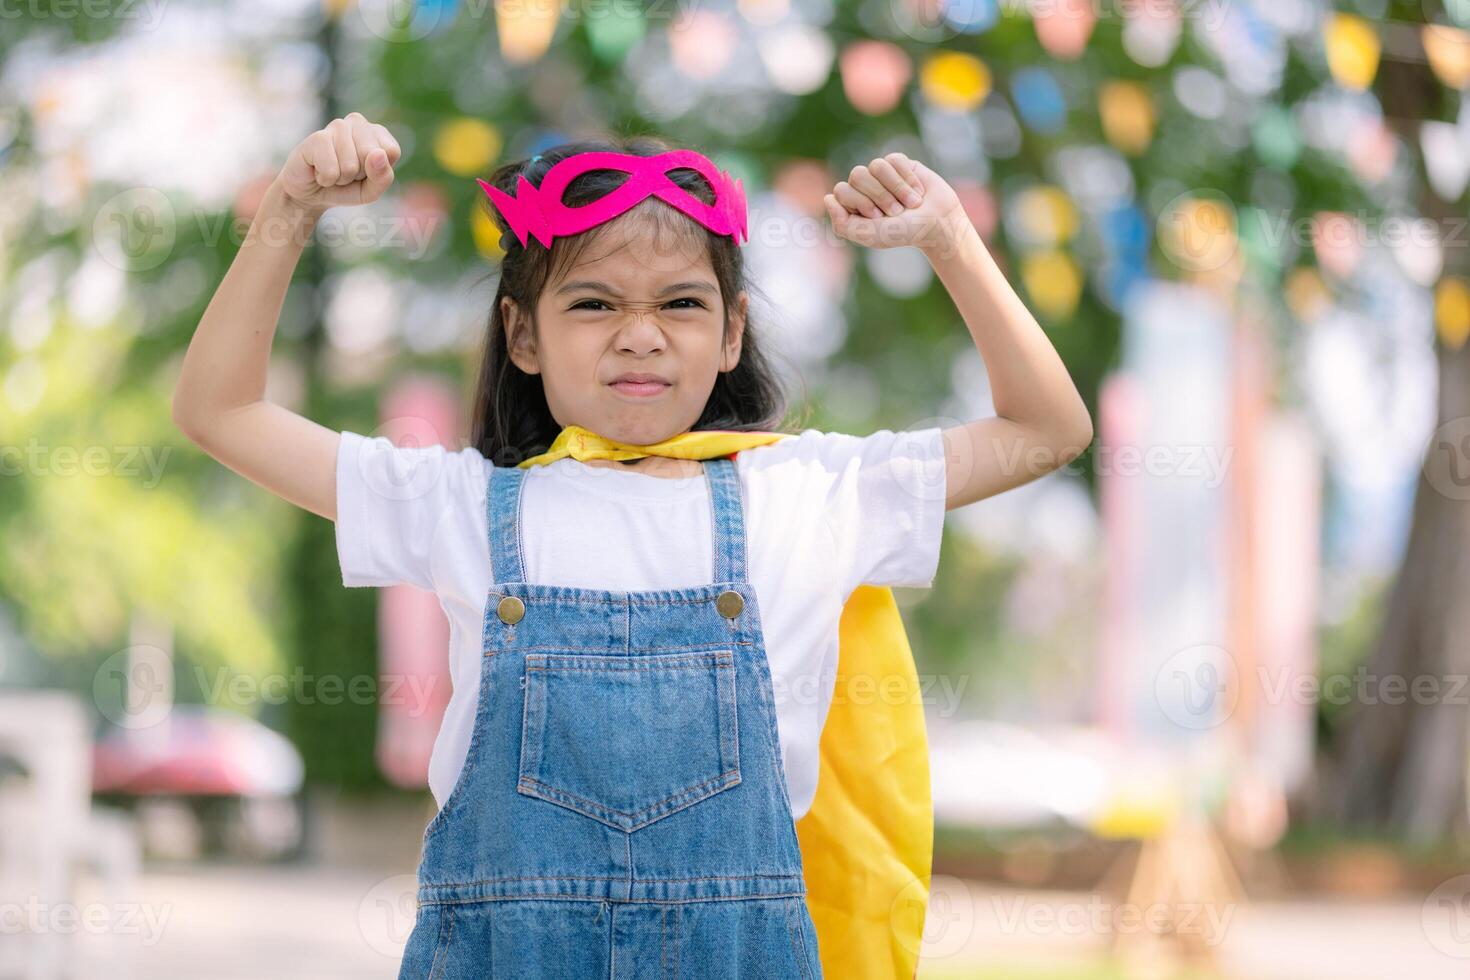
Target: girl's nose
<point>640,331</point>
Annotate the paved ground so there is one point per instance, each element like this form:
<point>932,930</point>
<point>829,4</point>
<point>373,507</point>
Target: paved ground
<point>322,923</point>
<point>282,923</point>
<point>1048,934</point>
<point>348,913</point>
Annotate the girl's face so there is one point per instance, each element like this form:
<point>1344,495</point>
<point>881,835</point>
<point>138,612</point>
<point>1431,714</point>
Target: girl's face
<point>627,308</point>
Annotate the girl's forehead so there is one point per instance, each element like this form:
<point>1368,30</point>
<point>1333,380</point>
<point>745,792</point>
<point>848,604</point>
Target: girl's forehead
<point>630,264</point>
<point>652,233</point>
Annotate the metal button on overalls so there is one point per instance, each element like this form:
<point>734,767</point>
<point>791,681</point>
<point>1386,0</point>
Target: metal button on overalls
<point>730,603</point>
<point>510,610</point>
<point>622,810</point>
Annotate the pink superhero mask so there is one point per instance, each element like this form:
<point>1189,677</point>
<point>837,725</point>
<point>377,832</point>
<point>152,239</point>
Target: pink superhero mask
<point>539,211</point>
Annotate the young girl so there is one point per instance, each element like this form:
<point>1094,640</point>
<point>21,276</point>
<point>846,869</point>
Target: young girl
<point>643,576</point>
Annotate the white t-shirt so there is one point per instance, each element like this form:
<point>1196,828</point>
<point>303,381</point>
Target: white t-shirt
<point>824,513</point>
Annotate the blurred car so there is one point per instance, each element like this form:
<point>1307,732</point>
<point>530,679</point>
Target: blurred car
<point>205,781</point>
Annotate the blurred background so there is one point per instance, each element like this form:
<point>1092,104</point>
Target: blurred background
<point>1196,702</point>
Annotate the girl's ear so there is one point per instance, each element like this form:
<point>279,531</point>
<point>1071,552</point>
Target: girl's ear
<point>520,339</point>
<point>731,355</point>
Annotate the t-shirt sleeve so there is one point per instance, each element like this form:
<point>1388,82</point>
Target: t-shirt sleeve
<point>885,504</point>
<point>394,503</point>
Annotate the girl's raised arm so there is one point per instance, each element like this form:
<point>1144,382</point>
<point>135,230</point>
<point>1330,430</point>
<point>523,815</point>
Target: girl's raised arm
<point>1041,422</point>
<point>219,402</point>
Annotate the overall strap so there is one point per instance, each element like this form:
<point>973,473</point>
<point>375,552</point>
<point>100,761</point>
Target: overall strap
<point>503,526</point>
<point>502,518</point>
<point>726,519</point>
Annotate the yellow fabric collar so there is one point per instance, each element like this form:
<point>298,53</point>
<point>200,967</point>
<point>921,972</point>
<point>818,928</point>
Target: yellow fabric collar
<point>867,841</point>
<point>584,444</point>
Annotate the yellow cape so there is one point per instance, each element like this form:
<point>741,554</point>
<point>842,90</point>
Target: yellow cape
<point>867,841</point>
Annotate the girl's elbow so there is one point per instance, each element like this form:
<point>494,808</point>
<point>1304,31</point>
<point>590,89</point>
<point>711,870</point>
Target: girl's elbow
<point>1083,434</point>
<point>1073,440</point>
<point>188,420</point>
<point>1077,432</point>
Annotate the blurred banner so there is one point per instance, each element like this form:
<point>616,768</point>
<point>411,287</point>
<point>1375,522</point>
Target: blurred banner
<point>1276,478</point>
<point>1163,436</point>
<point>1200,472</point>
<point>1287,553</point>
<point>412,628</point>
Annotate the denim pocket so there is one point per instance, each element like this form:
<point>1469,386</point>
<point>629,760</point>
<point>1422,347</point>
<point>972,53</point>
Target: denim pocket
<point>629,739</point>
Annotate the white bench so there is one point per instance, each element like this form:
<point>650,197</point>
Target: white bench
<point>50,834</point>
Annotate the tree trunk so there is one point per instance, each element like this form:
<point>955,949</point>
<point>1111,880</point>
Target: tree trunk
<point>1403,756</point>
<point>1401,761</point>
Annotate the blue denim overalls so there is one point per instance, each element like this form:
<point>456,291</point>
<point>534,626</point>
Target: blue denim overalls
<point>622,811</point>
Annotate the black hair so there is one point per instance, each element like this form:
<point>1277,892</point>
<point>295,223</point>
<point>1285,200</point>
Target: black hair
<point>512,421</point>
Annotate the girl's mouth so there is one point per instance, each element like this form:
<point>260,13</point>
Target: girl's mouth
<point>640,389</point>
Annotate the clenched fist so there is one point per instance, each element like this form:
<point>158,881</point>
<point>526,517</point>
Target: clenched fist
<point>349,161</point>
<point>896,201</point>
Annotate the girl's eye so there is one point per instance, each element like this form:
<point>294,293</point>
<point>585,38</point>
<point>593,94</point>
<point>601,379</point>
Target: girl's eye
<point>585,304</point>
